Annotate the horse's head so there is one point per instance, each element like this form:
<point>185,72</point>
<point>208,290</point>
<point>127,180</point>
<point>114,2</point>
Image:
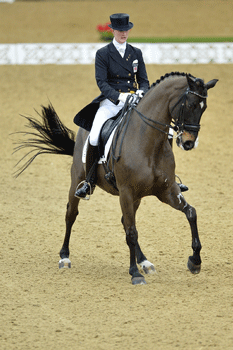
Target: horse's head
<point>190,107</point>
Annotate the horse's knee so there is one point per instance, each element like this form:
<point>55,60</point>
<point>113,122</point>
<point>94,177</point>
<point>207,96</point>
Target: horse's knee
<point>131,236</point>
<point>71,212</point>
<point>196,245</point>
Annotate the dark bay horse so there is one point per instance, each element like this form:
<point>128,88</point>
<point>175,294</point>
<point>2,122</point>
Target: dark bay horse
<point>142,158</point>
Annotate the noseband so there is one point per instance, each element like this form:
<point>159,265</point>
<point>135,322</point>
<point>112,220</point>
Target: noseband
<point>179,125</point>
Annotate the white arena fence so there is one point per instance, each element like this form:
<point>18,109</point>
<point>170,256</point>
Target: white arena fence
<point>84,53</point>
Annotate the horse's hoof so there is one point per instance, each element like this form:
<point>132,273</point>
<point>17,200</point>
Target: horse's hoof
<point>147,267</point>
<point>195,269</point>
<point>138,280</point>
<point>65,263</point>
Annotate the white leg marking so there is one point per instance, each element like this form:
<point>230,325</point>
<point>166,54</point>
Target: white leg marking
<point>179,196</point>
<point>65,263</point>
<point>147,267</point>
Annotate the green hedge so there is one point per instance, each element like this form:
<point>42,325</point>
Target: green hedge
<point>181,40</point>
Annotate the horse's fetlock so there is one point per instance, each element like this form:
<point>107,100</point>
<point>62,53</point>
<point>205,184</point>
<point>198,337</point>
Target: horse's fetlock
<point>64,253</point>
<point>196,246</point>
<point>133,270</point>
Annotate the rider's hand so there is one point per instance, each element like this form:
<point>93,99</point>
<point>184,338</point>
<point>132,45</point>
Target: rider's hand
<point>140,93</point>
<point>123,96</point>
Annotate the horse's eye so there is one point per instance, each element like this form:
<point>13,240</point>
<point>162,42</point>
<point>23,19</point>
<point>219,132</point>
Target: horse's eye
<point>192,105</point>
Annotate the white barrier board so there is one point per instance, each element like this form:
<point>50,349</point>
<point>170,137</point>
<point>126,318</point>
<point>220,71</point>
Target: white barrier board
<point>84,53</point>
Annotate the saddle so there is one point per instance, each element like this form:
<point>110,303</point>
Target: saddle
<point>107,129</point>
<point>111,123</point>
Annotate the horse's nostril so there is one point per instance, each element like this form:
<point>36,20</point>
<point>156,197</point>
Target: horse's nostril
<point>188,145</point>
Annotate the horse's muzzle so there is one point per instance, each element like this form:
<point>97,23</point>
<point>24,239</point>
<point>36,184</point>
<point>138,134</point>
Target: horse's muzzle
<point>186,141</point>
<point>188,145</point>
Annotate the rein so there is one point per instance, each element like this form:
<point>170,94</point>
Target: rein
<point>179,126</point>
<point>179,123</point>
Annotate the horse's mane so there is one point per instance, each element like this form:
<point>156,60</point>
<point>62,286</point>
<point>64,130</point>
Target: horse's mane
<point>168,75</point>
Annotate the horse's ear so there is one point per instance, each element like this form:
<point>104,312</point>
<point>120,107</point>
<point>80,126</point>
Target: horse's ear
<point>191,81</point>
<point>211,83</point>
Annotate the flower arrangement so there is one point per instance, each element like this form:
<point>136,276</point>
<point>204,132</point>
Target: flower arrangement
<point>105,32</point>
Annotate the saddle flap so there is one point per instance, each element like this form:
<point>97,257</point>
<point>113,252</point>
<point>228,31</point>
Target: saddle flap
<point>105,140</point>
<point>107,129</point>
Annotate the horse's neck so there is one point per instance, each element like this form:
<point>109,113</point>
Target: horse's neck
<point>155,108</point>
<point>160,98</point>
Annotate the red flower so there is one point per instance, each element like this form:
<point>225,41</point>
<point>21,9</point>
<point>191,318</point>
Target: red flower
<point>103,28</point>
<point>105,32</point>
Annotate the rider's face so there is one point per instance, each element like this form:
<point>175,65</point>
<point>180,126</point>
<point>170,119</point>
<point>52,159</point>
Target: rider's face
<point>120,36</point>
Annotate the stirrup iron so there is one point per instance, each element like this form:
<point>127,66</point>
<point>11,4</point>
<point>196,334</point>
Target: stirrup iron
<point>88,196</point>
<point>183,187</point>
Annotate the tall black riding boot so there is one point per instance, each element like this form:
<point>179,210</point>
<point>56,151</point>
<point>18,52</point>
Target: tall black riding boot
<point>88,186</point>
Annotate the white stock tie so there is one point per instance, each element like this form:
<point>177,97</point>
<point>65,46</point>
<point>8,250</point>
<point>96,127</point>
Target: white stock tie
<point>122,52</point>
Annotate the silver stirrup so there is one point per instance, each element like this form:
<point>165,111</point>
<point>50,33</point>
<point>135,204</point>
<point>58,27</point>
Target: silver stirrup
<point>88,196</point>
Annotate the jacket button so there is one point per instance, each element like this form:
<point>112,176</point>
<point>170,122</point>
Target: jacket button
<point>129,74</point>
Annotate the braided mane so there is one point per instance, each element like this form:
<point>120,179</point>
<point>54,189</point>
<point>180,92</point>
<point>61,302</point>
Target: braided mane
<point>167,75</point>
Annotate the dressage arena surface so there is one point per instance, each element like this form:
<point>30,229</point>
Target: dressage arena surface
<point>93,305</point>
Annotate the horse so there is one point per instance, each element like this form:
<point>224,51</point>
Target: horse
<point>140,160</point>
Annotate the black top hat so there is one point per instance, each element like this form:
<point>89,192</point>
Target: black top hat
<point>120,21</point>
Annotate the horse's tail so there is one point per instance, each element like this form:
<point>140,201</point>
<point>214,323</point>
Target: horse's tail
<point>51,137</point>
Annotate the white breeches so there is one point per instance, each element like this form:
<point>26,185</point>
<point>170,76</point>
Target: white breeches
<point>106,110</point>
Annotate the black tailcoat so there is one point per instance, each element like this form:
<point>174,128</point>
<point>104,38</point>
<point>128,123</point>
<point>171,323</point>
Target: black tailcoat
<point>114,75</point>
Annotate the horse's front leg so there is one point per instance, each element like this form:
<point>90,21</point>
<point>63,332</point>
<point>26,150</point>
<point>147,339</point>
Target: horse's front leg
<point>128,220</point>
<point>194,261</point>
<point>176,199</point>
<point>145,265</point>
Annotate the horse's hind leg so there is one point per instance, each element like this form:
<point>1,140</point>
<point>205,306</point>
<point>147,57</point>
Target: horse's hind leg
<point>177,201</point>
<point>71,215</point>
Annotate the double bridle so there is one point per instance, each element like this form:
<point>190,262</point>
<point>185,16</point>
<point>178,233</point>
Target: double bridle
<point>179,125</point>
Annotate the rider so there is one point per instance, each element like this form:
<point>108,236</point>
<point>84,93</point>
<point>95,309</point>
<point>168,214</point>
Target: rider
<point>120,71</point>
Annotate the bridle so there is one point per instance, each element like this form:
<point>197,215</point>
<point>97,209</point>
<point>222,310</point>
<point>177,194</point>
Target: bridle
<point>179,125</point>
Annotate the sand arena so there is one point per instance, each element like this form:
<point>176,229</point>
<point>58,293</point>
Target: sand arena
<point>93,305</point>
